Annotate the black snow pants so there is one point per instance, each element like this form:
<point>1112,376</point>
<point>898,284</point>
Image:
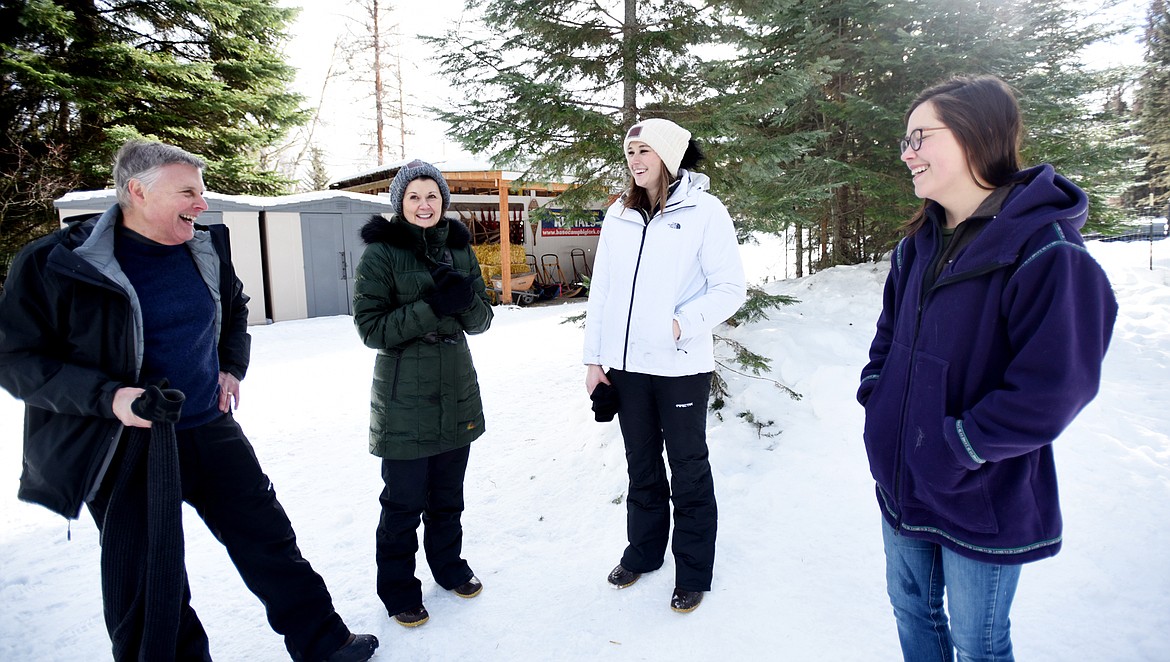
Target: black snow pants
<point>222,479</point>
<point>430,488</point>
<point>671,412</point>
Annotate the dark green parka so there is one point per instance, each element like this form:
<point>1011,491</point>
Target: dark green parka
<point>425,396</point>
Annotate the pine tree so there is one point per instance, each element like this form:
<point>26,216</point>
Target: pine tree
<point>318,179</point>
<point>78,78</point>
<point>829,125</point>
<point>1153,111</point>
<point>552,86</point>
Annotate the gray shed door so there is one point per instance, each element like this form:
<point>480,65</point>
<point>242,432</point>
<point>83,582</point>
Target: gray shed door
<point>332,248</point>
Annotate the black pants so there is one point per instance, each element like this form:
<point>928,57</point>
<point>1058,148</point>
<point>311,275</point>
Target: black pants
<point>430,487</point>
<point>671,412</point>
<point>223,481</point>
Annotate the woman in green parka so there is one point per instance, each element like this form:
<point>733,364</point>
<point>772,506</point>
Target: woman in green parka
<point>417,294</point>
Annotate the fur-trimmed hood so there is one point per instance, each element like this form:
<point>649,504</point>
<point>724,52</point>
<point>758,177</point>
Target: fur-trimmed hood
<point>398,232</point>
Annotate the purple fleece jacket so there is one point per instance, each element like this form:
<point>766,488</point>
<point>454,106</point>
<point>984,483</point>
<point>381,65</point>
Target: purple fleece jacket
<point>970,382</point>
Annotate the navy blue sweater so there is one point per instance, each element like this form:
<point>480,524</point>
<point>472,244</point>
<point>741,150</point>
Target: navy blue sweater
<point>178,318</point>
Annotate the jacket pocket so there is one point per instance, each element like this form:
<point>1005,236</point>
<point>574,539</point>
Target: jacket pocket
<point>882,418</point>
<point>937,480</point>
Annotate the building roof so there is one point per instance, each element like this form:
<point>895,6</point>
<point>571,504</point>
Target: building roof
<point>223,202</point>
<point>467,177</point>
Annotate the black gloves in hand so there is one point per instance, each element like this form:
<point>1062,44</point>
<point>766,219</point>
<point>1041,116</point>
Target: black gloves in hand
<point>605,402</point>
<point>453,293</point>
<point>444,276</point>
<point>159,405</point>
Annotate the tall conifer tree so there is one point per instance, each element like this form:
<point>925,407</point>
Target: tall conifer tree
<point>78,78</point>
<point>554,83</point>
<point>1153,110</point>
<point>863,63</point>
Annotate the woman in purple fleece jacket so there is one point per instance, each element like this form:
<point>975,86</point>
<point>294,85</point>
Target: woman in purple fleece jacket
<point>994,324</point>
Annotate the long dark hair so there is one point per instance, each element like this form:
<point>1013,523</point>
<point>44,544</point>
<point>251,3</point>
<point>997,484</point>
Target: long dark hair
<point>984,116</point>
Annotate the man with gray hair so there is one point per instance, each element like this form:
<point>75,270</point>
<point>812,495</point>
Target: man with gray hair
<point>125,335</point>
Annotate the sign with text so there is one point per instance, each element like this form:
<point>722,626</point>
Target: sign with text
<point>561,223</point>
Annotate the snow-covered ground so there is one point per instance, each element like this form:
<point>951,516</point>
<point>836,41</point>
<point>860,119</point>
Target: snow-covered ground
<point>799,568</point>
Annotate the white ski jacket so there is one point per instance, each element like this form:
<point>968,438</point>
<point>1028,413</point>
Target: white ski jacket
<point>683,264</point>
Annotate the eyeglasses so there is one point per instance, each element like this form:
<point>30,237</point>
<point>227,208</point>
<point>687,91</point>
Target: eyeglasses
<point>914,140</point>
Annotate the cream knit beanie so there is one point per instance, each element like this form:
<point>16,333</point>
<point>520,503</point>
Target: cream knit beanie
<point>666,138</point>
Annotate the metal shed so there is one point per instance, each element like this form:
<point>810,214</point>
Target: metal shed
<point>295,254</point>
<point>240,213</point>
<point>312,248</point>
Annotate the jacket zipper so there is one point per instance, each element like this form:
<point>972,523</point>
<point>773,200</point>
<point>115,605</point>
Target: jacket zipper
<point>634,287</point>
<point>131,352</point>
<point>899,496</point>
<point>637,265</point>
<point>397,371</point>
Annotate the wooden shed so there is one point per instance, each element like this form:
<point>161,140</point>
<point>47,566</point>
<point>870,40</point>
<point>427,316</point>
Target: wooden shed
<point>488,200</point>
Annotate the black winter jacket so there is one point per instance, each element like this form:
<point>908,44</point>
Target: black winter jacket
<point>70,336</point>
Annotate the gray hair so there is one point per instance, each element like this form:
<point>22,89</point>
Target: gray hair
<point>141,160</point>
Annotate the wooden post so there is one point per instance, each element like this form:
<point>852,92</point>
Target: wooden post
<point>505,243</point>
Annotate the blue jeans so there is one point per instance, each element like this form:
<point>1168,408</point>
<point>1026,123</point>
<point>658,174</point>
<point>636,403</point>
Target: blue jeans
<point>979,597</point>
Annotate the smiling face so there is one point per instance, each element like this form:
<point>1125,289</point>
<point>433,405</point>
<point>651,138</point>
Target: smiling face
<point>645,166</point>
<point>165,209</point>
<point>939,167</point>
<point>422,202</point>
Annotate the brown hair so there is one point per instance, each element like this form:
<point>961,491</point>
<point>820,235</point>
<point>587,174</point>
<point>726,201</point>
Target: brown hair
<point>984,117</point>
<point>637,197</point>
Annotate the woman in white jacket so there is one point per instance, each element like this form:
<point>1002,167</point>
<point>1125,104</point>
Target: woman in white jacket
<point>667,271</point>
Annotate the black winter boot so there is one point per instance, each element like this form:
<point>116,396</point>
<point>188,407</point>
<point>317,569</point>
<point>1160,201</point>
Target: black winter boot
<point>684,601</point>
<point>619,577</point>
<point>359,648</point>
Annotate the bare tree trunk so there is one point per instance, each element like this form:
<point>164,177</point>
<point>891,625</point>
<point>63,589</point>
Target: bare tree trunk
<point>401,100</point>
<point>841,213</point>
<point>799,249</point>
<point>824,232</point>
<point>629,65</point>
<point>378,81</point>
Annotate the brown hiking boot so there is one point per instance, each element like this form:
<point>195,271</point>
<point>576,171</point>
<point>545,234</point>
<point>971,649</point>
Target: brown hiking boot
<point>469,589</point>
<point>412,618</point>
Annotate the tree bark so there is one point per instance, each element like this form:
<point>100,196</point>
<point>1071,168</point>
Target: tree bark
<point>630,65</point>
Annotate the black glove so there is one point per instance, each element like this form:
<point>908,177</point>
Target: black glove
<point>444,276</point>
<point>453,293</point>
<point>605,402</point>
<point>159,405</point>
